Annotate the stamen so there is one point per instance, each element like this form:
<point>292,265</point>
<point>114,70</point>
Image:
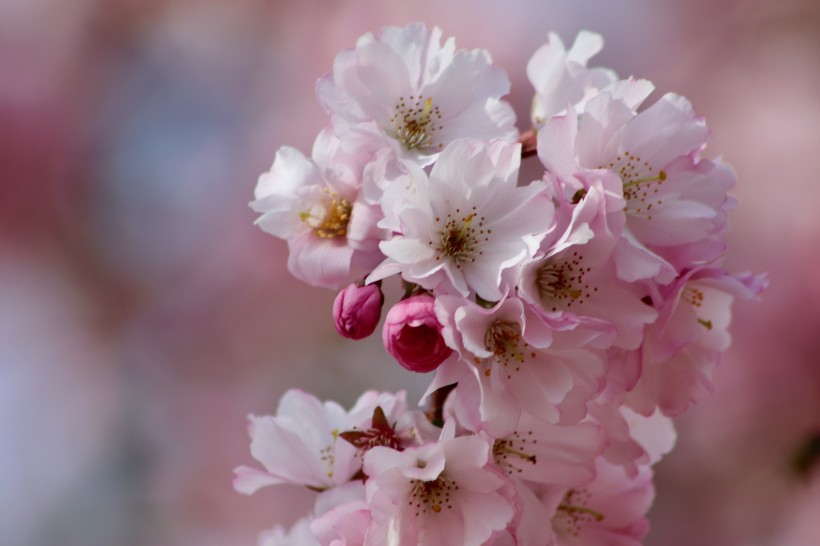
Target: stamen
<point>414,123</point>
<point>434,494</point>
<point>503,339</point>
<point>328,456</point>
<point>570,509</point>
<point>639,184</point>
<point>573,511</point>
<point>333,223</point>
<point>511,453</point>
<point>561,282</point>
<point>660,178</point>
<point>460,238</point>
<point>693,296</point>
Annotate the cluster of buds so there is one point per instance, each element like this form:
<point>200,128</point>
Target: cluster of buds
<point>564,320</point>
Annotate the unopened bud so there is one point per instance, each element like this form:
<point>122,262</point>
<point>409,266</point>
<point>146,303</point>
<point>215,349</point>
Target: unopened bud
<point>357,310</point>
<point>412,334</point>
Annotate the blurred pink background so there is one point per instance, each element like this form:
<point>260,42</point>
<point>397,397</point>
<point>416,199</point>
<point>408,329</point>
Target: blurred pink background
<point>142,316</point>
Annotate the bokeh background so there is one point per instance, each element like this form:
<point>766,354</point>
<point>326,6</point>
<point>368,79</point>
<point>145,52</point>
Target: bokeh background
<point>142,316</point>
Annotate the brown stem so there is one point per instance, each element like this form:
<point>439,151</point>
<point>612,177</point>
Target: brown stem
<point>529,143</point>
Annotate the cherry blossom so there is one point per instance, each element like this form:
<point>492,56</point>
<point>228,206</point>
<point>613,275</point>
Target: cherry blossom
<point>300,445</point>
<point>561,77</point>
<point>577,274</point>
<point>609,510</point>
<point>437,494</point>
<point>565,319</point>
<point>316,205</point>
<point>298,535</point>
<point>512,361</point>
<point>404,89</point>
<point>682,350</point>
<point>462,227</point>
<point>675,203</point>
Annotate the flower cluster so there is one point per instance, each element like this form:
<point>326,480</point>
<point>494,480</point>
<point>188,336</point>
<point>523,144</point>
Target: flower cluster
<point>564,319</point>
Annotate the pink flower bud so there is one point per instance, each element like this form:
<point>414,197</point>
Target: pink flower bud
<point>412,334</point>
<point>357,310</point>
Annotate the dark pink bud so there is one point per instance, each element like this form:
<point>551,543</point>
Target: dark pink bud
<point>412,334</point>
<point>357,310</point>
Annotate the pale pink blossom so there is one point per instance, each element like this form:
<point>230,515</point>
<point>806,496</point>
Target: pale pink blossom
<point>462,227</point>
<point>683,348</point>
<point>341,516</point>
<point>318,207</point>
<point>412,334</point>
<point>561,77</point>
<point>609,510</point>
<point>300,445</point>
<point>357,310</point>
<point>675,202</point>
<point>438,494</point>
<point>512,361</point>
<point>406,90</point>
<point>549,454</point>
<point>345,525</point>
<point>633,440</point>
<point>576,274</point>
<point>298,535</point>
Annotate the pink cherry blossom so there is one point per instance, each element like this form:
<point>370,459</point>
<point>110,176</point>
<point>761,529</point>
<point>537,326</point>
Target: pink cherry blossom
<point>543,453</point>
<point>463,227</point>
<point>412,334</point>
<point>404,89</point>
<point>576,274</point>
<point>298,535</point>
<point>683,349</point>
<point>609,510</point>
<point>675,202</point>
<point>438,494</point>
<point>561,77</point>
<point>357,310</point>
<point>317,206</point>
<point>345,525</point>
<point>512,361</point>
<point>300,445</point>
<point>565,319</point>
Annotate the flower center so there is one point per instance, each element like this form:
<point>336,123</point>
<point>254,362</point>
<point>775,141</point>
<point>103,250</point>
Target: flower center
<point>460,237</point>
<point>561,282</point>
<point>415,122</point>
<point>332,221</point>
<point>503,339</point>
<point>695,298</point>
<point>433,495</point>
<point>573,511</point>
<point>511,453</point>
<point>328,454</point>
<point>639,183</point>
